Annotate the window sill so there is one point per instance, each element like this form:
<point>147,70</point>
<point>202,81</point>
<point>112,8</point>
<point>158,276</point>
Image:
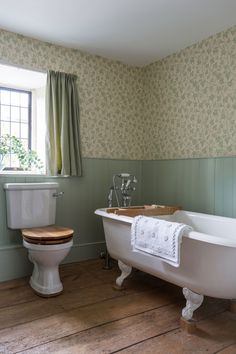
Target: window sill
<point>21,173</point>
<point>27,174</point>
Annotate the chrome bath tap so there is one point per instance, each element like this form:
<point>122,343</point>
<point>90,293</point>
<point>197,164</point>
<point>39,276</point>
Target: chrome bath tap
<point>123,186</point>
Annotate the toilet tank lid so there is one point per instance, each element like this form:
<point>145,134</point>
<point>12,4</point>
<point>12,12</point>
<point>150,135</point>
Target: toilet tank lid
<point>27,186</point>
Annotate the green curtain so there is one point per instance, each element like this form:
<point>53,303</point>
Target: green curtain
<point>62,125</point>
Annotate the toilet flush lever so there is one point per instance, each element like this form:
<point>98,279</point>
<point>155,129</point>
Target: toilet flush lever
<point>58,194</point>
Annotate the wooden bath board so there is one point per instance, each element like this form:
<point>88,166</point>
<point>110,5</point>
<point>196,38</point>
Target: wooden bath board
<point>148,210</point>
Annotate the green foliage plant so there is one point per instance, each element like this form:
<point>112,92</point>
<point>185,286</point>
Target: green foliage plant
<point>27,158</point>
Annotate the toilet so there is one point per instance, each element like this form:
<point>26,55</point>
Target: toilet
<point>31,207</point>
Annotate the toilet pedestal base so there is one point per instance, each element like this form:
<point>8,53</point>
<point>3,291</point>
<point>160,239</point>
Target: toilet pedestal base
<point>46,296</point>
<point>46,282</point>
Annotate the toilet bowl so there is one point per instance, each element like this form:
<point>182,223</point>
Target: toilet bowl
<point>47,247</point>
<point>31,207</point>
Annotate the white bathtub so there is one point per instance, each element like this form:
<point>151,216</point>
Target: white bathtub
<point>208,254</point>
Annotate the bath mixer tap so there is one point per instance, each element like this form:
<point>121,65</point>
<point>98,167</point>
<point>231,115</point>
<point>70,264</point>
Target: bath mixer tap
<point>122,187</point>
<point>58,194</point>
<point>110,197</point>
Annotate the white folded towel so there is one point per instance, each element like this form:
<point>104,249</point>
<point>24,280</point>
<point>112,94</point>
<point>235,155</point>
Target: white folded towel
<point>158,237</point>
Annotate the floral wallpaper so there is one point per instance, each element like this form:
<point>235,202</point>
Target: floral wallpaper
<point>182,106</point>
<point>110,94</point>
<point>190,101</point>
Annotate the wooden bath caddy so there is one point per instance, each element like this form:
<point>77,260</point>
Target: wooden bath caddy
<point>148,210</point>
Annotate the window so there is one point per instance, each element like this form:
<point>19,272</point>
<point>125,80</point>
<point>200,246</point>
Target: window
<point>22,115</point>
<point>15,120</point>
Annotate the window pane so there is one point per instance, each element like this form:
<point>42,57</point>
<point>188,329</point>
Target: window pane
<point>14,161</point>
<point>6,161</point>
<point>5,113</point>
<point>24,131</point>
<point>15,98</point>
<point>15,114</point>
<point>24,100</point>
<point>5,128</point>
<point>5,97</point>
<point>15,130</point>
<point>25,143</point>
<point>24,115</point>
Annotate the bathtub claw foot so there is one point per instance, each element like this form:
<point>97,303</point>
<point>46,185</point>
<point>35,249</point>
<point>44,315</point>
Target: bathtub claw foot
<point>125,272</point>
<point>117,287</point>
<point>233,306</point>
<point>194,301</point>
<point>188,326</point>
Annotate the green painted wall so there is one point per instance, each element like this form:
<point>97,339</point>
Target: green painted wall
<point>202,185</point>
<point>76,209</point>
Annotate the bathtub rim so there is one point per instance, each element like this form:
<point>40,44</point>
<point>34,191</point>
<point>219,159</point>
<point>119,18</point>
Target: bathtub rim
<point>193,235</point>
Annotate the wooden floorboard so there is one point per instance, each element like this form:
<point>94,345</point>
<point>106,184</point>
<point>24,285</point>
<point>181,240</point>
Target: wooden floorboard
<point>91,317</point>
<point>118,334</point>
<point>213,334</point>
<point>231,349</point>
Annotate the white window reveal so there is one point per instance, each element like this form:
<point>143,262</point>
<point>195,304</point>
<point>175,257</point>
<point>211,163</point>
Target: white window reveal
<point>22,120</point>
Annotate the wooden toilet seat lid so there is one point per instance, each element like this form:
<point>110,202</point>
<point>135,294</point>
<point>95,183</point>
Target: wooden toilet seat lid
<point>48,235</point>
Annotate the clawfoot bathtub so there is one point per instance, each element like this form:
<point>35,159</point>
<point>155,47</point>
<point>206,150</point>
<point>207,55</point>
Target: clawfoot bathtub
<point>208,256</point>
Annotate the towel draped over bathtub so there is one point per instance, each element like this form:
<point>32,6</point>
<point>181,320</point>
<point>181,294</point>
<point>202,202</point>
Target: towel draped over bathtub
<point>158,237</point>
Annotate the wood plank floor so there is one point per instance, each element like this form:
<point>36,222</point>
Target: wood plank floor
<point>91,317</point>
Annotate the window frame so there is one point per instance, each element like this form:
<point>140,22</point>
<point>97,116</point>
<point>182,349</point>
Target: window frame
<point>8,169</point>
<point>27,79</point>
<point>29,93</point>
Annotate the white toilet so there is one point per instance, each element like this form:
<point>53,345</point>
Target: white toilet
<point>31,207</point>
